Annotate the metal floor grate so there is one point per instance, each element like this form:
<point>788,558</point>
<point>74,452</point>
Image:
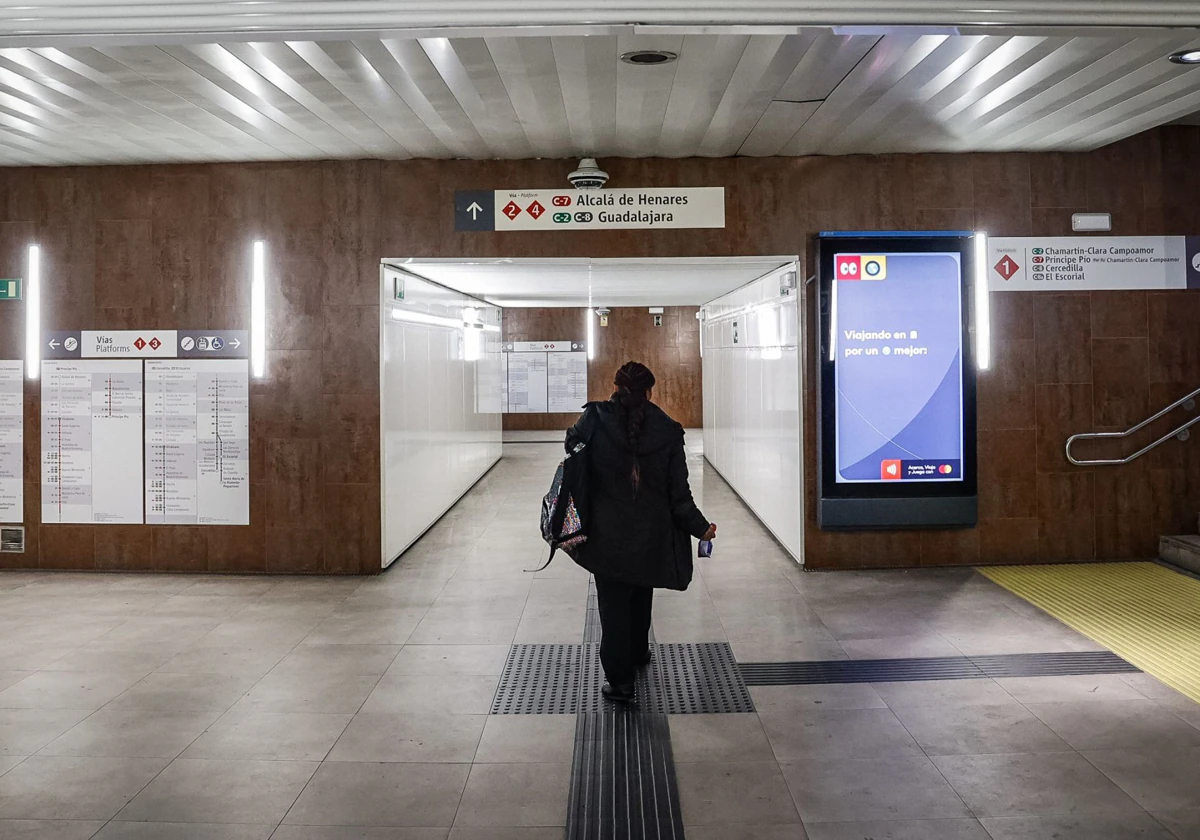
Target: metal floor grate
<point>565,679</point>
<point>934,668</point>
<point>623,784</point>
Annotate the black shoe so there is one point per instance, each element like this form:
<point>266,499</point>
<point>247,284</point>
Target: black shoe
<point>647,658</point>
<point>618,693</point>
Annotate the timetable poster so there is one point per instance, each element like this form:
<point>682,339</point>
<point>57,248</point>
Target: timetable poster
<point>566,382</point>
<point>92,442</point>
<point>12,459</point>
<point>198,442</point>
<point>527,383</point>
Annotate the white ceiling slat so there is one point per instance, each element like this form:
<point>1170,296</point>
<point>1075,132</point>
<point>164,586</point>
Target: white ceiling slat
<point>766,64</point>
<point>469,72</point>
<point>1084,79</point>
<point>588,70</point>
<point>1168,109</point>
<point>158,67</point>
<point>222,69</point>
<point>871,128</point>
<point>1173,97</point>
<point>269,19</point>
<point>888,62</point>
<point>280,65</point>
<point>530,76</point>
<point>352,74</point>
<point>519,95</point>
<point>706,66</point>
<point>1114,77</point>
<point>824,65</point>
<point>410,73</point>
<point>37,111</point>
<point>962,75</point>
<point>1037,70</point>
<point>643,94</point>
<point>777,127</point>
<point>75,107</point>
<point>157,111</point>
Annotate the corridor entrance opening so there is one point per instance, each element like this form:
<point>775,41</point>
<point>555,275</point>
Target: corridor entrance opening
<point>472,351</point>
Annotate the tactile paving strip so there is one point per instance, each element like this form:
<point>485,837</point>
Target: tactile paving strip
<point>565,679</point>
<point>623,781</point>
<point>1066,663</point>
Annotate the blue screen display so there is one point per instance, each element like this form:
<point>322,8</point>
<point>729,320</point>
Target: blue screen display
<point>897,326</point>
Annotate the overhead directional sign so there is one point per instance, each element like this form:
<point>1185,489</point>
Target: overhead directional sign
<point>562,210</point>
<point>10,289</point>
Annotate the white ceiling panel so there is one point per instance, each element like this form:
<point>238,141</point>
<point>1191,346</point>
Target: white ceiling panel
<point>776,128</point>
<point>58,19</point>
<point>518,94</point>
<point>603,282</point>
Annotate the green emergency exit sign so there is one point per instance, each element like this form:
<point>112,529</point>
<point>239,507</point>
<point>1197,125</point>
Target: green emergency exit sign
<point>10,289</point>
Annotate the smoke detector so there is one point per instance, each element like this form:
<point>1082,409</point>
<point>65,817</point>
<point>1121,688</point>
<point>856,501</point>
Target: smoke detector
<point>589,176</point>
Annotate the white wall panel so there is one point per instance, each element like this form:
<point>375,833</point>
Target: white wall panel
<point>752,431</point>
<point>439,406</point>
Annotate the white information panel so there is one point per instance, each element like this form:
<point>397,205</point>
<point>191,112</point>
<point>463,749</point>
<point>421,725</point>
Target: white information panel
<point>92,442</point>
<point>527,383</point>
<point>198,442</point>
<point>567,382</point>
<point>12,439</point>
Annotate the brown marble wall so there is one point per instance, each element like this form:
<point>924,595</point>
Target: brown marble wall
<point>168,246</point>
<point>672,351</point>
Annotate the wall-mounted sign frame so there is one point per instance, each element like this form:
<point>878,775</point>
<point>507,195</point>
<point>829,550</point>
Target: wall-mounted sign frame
<point>1093,263</point>
<point>896,419</point>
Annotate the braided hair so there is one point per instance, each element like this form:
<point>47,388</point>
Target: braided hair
<point>633,380</point>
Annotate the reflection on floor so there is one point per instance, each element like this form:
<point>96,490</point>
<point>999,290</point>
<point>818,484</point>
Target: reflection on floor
<point>184,708</point>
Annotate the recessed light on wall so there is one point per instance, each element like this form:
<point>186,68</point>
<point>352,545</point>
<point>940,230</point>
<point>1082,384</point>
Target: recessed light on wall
<point>649,58</point>
<point>1185,57</point>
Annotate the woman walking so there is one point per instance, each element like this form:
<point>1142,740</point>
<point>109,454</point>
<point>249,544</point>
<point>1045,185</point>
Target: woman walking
<point>641,518</point>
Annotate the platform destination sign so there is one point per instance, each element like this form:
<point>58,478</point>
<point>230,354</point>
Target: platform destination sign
<point>563,210</point>
<point>145,344</point>
<point>1079,263</point>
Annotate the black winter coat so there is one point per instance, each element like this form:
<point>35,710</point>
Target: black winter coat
<point>640,538</point>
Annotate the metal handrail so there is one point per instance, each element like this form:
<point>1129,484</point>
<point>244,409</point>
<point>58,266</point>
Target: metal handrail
<point>1187,403</point>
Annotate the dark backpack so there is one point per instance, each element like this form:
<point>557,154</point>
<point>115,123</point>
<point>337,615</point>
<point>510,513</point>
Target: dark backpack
<point>565,507</point>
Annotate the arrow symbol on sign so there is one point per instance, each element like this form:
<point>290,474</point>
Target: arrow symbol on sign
<point>236,344</point>
<point>474,210</point>
<point>53,344</point>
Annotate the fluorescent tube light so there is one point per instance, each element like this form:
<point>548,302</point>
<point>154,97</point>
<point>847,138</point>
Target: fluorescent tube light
<point>414,317</point>
<point>983,304</point>
<point>33,314</point>
<point>258,312</point>
<point>590,315</point>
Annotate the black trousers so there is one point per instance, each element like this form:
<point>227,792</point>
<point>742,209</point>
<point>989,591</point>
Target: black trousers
<point>625,622</point>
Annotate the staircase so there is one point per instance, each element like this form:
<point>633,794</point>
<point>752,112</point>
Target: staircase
<point>1182,552</point>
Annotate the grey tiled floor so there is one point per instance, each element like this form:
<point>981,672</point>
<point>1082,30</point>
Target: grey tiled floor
<point>189,708</point>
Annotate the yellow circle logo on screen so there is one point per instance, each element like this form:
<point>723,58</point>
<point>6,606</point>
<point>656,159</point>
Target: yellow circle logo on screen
<point>874,267</point>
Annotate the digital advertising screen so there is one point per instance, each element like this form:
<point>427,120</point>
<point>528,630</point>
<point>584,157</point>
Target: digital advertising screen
<point>897,425</point>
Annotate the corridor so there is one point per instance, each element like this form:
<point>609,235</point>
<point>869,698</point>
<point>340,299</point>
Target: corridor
<point>171,707</point>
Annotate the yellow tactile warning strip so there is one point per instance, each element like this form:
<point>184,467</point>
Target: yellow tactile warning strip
<point>1143,612</point>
